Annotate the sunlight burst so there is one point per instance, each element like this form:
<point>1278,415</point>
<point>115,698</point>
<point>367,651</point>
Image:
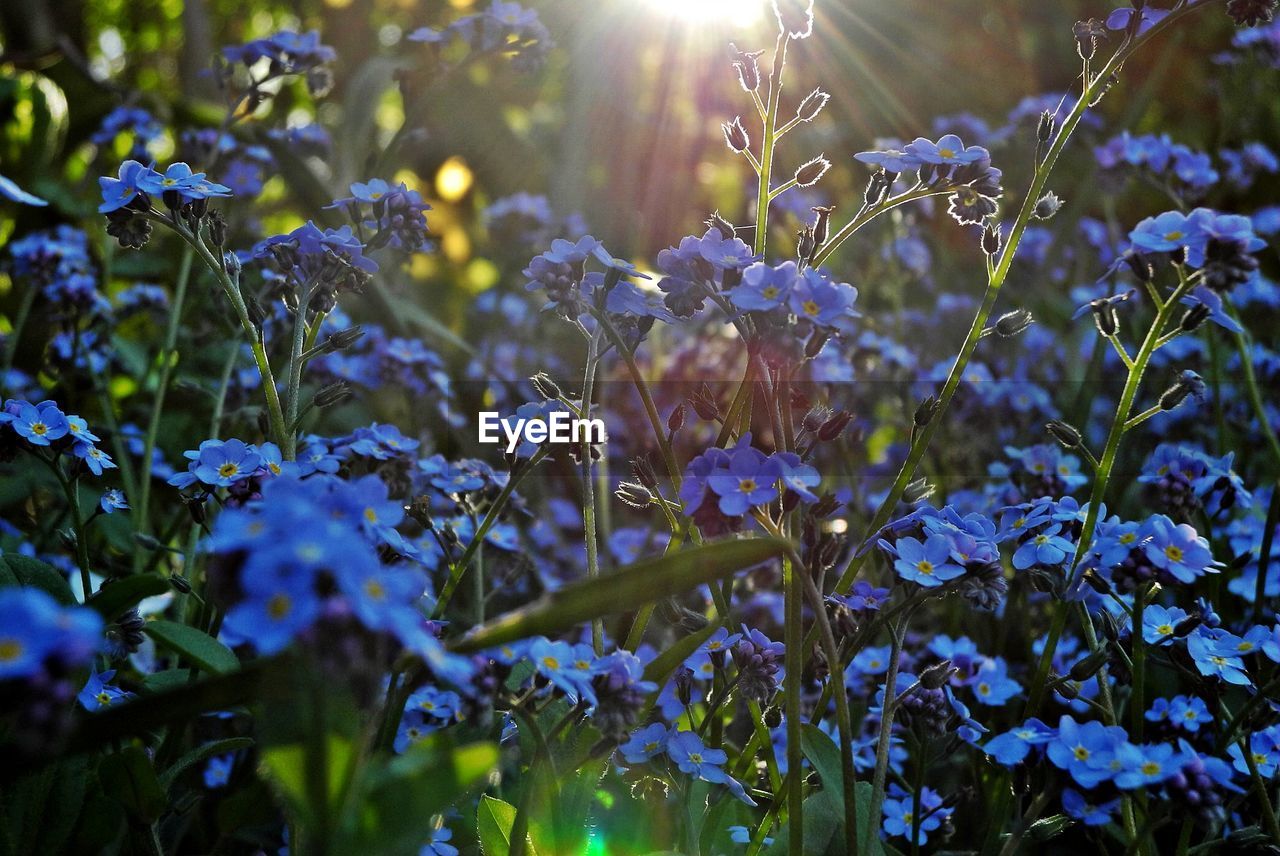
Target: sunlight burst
<point>736,12</point>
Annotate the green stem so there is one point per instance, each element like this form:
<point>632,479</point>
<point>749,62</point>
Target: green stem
<point>588,484</point>
<point>793,635</point>
<point>19,323</point>
<point>767,144</point>
<point>168,357</point>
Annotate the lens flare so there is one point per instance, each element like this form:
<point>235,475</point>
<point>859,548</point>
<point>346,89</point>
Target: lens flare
<point>739,13</point>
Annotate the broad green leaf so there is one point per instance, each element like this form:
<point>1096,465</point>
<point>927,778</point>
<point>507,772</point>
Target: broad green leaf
<point>288,768</point>
<point>200,753</point>
<point>17,570</point>
<point>823,753</point>
<point>124,593</point>
<point>494,819</point>
<point>820,827</point>
<point>625,590</point>
<point>127,775</point>
<point>196,645</point>
<point>401,796</point>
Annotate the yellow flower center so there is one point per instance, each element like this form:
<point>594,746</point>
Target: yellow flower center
<point>1081,753</point>
<point>924,566</point>
<point>375,590</point>
<point>810,307</point>
<point>747,485</point>
<point>103,698</point>
<point>10,650</point>
<point>1150,768</point>
<point>551,663</point>
<point>947,153</point>
<point>770,292</point>
<point>1173,552</point>
<point>1175,235</point>
<point>39,428</point>
<point>279,606</point>
<point>228,469</point>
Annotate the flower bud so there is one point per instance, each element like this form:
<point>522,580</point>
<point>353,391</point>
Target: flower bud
<point>332,394</point>
<point>721,225</point>
<point>642,468</point>
<point>1140,266</point>
<point>822,226</point>
<point>806,246</point>
<point>180,583</point>
<point>925,412</point>
<point>735,136</point>
<point>747,65</point>
<point>1087,667</point>
<point>811,171</point>
<point>1045,128</point>
<point>546,387</point>
<point>772,716</point>
<point>991,239</point>
<point>1066,435</point>
<point>1194,317</point>
<point>1097,582</point>
<point>1068,691</point>
<point>1047,206</point>
<point>704,404</point>
<point>812,105</point>
<point>878,187</point>
<point>834,426</point>
<point>634,495</point>
<point>1104,316</point>
<point>676,420</point>
<point>1012,323</point>
<point>936,676</point>
<point>1188,384</point>
<point>217,229</point>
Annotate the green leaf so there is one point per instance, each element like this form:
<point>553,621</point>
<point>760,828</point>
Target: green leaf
<point>126,592</point>
<point>129,778</point>
<point>195,756</point>
<point>628,589</point>
<point>820,827</point>
<point>663,665</point>
<point>289,770</point>
<point>196,645</point>
<point>401,797</point>
<point>494,819</point>
<point>823,753</point>
<point>17,570</point>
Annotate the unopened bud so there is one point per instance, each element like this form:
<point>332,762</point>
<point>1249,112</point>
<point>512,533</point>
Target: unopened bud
<point>812,105</point>
<point>343,339</point>
<point>1012,323</point>
<point>721,225</point>
<point>806,246</point>
<point>991,239</point>
<point>735,136</point>
<point>1194,317</point>
<point>936,676</point>
<point>1049,827</point>
<point>1044,130</point>
<point>332,394</point>
<point>1188,384</point>
<point>1087,667</point>
<point>747,65</point>
<point>676,420</point>
<point>1047,206</point>
<point>1068,691</point>
<point>147,542</point>
<point>634,495</point>
<point>878,187</point>
<point>925,412</point>
<point>1105,317</point>
<point>811,171</point>
<point>1097,582</point>
<point>772,716</point>
<point>180,583</point>
<point>546,387</point>
<point>1068,436</point>
<point>834,426</point>
<point>705,405</point>
<point>642,468</point>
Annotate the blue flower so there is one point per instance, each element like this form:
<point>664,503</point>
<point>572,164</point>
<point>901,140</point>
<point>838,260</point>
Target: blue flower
<point>821,300</point>
<point>217,773</point>
<point>1166,232</point>
<point>40,424</point>
<point>750,480</point>
<point>927,564</point>
<point>113,500</point>
<point>1086,750</point>
<point>1159,622</point>
<point>764,287</point>
<point>1012,747</point>
<point>948,150</point>
<point>219,463</point>
<point>98,693</point>
<point>33,628</point>
<point>1176,549</point>
<point>1141,766</point>
<point>1082,810</point>
<point>1213,661</point>
<point>891,160</point>
<point>899,822</point>
<point>120,191</point>
<point>992,684</point>
<point>1189,713</point>
<point>1264,749</point>
<point>438,844</point>
<point>645,743</point>
<point>1046,548</point>
<point>695,759</point>
<point>94,458</point>
<point>10,190</point>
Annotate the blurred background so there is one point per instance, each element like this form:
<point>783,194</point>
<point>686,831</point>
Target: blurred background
<point>621,124</point>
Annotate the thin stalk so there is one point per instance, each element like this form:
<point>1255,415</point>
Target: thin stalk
<point>19,323</point>
<point>588,485</point>
<point>793,634</point>
<point>768,141</point>
<point>888,709</point>
<point>167,355</point>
